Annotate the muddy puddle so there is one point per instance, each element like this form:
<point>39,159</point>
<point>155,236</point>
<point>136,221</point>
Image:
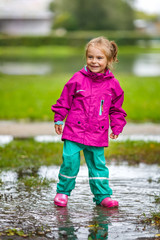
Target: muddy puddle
<point>32,209</point>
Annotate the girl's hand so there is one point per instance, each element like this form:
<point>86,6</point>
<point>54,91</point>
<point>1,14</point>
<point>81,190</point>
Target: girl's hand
<point>58,129</point>
<point>113,136</point>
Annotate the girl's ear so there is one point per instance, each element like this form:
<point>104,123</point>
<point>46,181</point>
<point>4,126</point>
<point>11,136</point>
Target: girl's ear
<point>109,63</point>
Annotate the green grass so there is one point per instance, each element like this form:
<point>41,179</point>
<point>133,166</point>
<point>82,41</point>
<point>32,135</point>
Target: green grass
<point>35,182</point>
<point>29,154</point>
<point>24,154</point>
<point>41,52</point>
<point>134,152</point>
<point>51,52</point>
<point>141,98</point>
<point>153,219</point>
<point>13,231</point>
<point>137,50</point>
<point>157,199</point>
<point>31,97</point>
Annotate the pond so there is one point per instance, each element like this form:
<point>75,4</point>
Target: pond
<point>33,211</point>
<point>139,65</point>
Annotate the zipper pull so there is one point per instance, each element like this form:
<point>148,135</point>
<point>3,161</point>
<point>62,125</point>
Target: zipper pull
<point>102,101</point>
<point>101,107</point>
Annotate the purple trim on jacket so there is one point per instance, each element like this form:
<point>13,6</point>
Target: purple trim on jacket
<point>88,99</point>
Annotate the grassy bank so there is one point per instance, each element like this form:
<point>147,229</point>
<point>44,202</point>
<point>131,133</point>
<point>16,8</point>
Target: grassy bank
<point>141,98</point>
<point>41,52</point>
<point>51,52</point>
<point>31,97</point>
<point>30,154</point>
<point>134,152</point>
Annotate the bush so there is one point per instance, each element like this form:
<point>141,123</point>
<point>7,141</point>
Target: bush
<point>73,38</point>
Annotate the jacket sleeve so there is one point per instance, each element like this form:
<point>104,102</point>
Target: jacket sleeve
<point>63,104</point>
<point>117,114</point>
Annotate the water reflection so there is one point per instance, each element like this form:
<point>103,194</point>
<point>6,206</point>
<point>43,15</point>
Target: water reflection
<point>25,68</point>
<point>140,65</point>
<point>66,229</point>
<point>100,222</point>
<point>38,67</point>
<point>97,228</point>
<point>147,65</point>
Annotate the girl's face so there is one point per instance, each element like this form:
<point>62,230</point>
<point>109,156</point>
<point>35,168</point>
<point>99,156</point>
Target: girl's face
<point>96,60</point>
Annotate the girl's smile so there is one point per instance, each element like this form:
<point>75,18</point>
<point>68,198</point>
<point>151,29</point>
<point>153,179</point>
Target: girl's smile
<point>96,60</point>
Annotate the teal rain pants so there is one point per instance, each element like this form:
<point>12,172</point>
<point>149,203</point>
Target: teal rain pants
<point>98,172</point>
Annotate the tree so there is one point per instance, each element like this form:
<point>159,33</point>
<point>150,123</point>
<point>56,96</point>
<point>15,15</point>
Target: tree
<point>94,14</point>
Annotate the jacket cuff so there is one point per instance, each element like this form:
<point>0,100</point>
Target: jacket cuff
<point>59,123</point>
<point>116,131</point>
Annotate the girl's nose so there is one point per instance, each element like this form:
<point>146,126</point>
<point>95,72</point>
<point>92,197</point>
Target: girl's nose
<point>93,60</point>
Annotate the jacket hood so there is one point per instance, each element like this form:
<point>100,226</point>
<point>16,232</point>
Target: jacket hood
<point>97,76</point>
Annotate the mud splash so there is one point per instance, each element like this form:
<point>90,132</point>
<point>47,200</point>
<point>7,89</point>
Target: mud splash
<point>32,209</point>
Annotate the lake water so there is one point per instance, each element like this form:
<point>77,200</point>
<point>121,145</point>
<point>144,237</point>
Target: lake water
<point>29,209</point>
<point>139,65</point>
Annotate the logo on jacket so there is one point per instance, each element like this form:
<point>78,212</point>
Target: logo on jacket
<point>80,90</point>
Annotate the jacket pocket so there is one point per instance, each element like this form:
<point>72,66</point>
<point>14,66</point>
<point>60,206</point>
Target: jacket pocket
<point>74,119</point>
<point>104,124</point>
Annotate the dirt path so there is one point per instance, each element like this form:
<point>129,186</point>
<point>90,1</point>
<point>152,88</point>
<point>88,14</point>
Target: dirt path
<point>22,129</point>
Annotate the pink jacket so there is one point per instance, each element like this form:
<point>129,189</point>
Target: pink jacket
<point>88,99</point>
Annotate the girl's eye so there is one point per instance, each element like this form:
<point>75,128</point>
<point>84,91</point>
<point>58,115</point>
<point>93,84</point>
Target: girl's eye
<point>100,57</point>
<point>89,56</point>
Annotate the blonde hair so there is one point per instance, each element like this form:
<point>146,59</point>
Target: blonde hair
<point>109,48</point>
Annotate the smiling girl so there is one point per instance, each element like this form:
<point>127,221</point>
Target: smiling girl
<point>91,100</point>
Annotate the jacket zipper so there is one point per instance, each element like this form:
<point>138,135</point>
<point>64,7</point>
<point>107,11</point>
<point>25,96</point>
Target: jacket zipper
<point>101,107</point>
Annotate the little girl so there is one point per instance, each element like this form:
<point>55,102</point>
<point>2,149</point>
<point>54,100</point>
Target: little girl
<point>88,101</point>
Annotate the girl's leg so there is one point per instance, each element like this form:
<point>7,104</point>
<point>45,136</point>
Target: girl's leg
<point>98,173</point>
<point>69,168</point>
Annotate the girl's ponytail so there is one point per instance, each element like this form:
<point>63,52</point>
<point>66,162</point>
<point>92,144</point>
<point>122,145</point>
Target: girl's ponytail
<point>114,51</point>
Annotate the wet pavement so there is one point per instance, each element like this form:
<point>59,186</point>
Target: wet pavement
<point>33,211</point>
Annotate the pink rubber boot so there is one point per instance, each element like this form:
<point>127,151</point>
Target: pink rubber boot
<point>108,202</point>
<point>61,200</point>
